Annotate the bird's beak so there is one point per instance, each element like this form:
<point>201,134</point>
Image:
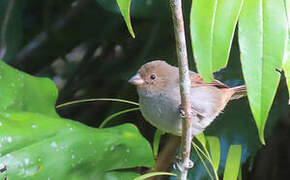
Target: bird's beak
<point>136,80</point>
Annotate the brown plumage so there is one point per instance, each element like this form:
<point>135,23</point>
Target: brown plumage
<point>159,97</point>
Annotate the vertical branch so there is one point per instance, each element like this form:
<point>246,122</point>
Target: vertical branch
<point>177,17</point>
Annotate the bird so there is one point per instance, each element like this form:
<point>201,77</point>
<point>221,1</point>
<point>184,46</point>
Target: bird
<point>158,89</point>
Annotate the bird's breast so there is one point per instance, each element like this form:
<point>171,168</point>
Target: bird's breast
<point>161,110</point>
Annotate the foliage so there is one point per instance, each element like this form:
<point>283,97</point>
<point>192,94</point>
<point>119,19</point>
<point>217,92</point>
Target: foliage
<point>263,47</point>
<point>263,38</point>
<point>43,39</point>
<point>36,143</point>
<point>212,26</point>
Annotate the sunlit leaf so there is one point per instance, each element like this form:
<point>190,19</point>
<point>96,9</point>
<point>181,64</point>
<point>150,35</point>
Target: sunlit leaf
<point>262,38</point>
<point>214,148</point>
<point>124,6</point>
<point>226,17</point>
<point>240,176</point>
<point>200,137</point>
<point>233,162</point>
<point>212,26</point>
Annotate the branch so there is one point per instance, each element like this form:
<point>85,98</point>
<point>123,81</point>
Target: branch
<point>177,17</point>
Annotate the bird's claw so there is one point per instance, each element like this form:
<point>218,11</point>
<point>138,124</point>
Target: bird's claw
<point>190,164</point>
<point>184,166</point>
<point>181,111</point>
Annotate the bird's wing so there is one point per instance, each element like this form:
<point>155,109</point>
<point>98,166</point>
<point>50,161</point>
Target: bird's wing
<point>197,80</point>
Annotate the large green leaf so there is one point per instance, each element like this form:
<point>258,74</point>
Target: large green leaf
<point>262,38</point>
<point>35,143</point>
<point>212,25</point>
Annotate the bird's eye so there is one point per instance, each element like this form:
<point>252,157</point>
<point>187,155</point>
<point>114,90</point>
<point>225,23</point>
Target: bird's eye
<point>153,76</point>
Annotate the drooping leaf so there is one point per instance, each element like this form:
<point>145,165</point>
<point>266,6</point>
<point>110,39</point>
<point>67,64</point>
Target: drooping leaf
<point>212,25</point>
<point>262,38</point>
<point>35,143</point>
<point>233,162</point>
<point>141,8</point>
<point>124,6</point>
<point>214,148</point>
<point>226,17</point>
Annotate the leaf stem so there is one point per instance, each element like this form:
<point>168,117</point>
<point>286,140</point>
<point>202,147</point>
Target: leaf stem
<point>117,114</point>
<point>97,99</point>
<point>197,149</point>
<point>206,154</point>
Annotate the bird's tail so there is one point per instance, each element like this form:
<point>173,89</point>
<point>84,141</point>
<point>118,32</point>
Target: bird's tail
<point>240,91</point>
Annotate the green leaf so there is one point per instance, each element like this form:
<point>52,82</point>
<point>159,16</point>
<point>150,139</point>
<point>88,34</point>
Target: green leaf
<point>37,144</point>
<point>240,176</point>
<point>148,175</point>
<point>124,6</point>
<point>286,66</point>
<point>262,38</point>
<point>142,8</point>
<point>200,137</point>
<point>214,148</point>
<point>157,136</point>
<point>226,17</point>
<point>22,92</point>
<point>212,26</point>
<point>205,152</point>
<point>233,162</point>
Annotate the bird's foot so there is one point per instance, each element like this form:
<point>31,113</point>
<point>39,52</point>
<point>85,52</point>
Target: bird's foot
<point>193,112</point>
<point>181,111</point>
<point>181,166</point>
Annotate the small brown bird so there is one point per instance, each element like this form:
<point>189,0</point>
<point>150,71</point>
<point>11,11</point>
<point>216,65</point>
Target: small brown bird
<point>159,97</point>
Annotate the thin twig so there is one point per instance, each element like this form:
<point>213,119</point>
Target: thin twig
<point>3,46</point>
<point>177,17</point>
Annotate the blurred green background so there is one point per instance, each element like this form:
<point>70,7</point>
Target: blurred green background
<point>86,49</point>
